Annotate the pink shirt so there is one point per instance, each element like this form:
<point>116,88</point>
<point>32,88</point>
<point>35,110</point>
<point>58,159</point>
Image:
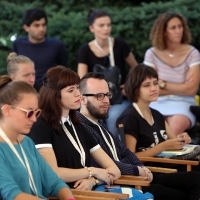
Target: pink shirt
<point>175,74</point>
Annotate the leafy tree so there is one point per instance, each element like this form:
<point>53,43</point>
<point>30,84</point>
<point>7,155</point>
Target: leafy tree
<point>67,21</point>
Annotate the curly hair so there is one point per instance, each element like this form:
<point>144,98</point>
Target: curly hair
<point>160,25</point>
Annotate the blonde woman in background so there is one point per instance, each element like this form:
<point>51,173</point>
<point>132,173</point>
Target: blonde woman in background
<point>21,68</point>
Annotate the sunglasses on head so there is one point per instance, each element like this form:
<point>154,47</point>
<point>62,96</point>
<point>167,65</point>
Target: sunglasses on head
<point>29,113</point>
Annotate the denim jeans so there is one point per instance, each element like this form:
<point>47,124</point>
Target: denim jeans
<point>114,112</point>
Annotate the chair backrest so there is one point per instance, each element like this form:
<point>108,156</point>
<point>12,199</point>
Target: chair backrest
<point>121,133</point>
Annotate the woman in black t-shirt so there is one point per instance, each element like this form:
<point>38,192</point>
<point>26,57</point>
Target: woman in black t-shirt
<point>146,131</point>
<point>62,140</point>
<point>147,134</point>
<point>97,52</point>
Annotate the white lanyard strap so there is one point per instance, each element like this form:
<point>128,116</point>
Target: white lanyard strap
<point>112,62</point>
<point>139,111</point>
<point>112,145</point>
<point>78,146</point>
<point>111,56</point>
<point>26,164</point>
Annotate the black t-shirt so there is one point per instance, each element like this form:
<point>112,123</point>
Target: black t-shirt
<point>120,50</point>
<point>146,135</point>
<point>66,155</point>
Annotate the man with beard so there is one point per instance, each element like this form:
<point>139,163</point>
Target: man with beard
<point>44,52</point>
<point>94,107</point>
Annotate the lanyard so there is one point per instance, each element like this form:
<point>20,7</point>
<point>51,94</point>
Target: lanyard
<point>139,111</point>
<point>78,146</point>
<point>111,57</point>
<point>112,145</point>
<point>25,163</point>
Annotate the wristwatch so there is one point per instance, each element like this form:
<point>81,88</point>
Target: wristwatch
<point>162,84</point>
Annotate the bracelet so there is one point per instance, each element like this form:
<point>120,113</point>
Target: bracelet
<point>90,173</point>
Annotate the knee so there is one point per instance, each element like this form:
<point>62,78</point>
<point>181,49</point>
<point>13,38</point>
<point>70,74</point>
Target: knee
<point>178,125</point>
<point>176,128</point>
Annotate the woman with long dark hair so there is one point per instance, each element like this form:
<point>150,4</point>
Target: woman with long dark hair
<point>62,140</point>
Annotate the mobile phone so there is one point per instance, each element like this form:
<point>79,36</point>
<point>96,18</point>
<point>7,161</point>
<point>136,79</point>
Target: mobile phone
<point>111,186</point>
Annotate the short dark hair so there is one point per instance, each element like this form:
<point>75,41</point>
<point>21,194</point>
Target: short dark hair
<point>135,78</point>
<point>94,14</point>
<point>54,80</point>
<point>83,81</point>
<point>32,15</point>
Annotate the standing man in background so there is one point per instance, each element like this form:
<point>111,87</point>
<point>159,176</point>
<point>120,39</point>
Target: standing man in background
<point>45,52</point>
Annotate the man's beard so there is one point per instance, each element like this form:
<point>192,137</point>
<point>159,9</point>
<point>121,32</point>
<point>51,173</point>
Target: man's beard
<point>95,112</point>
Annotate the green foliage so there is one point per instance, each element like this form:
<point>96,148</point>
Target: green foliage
<point>67,21</point>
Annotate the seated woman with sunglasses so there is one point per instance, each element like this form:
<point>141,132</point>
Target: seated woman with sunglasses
<point>62,140</point>
<point>23,173</point>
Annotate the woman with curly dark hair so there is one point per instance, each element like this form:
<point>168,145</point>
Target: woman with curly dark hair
<point>177,64</point>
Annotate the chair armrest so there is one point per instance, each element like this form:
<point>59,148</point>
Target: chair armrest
<point>136,182</point>
<point>81,197</point>
<point>189,163</point>
<point>161,170</point>
<point>130,177</point>
<point>99,194</point>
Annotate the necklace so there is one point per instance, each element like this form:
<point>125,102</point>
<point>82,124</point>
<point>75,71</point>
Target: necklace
<point>171,55</point>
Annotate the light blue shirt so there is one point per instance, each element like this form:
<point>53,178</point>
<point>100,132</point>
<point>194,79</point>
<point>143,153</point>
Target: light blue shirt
<point>14,177</point>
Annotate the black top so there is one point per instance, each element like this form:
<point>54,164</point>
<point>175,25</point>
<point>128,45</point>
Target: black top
<point>66,154</point>
<point>45,55</point>
<point>146,135</point>
<point>120,50</point>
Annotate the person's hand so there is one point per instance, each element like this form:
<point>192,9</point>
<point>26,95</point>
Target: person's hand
<point>84,184</point>
<point>184,137</point>
<point>104,175</point>
<point>176,143</point>
<point>145,173</point>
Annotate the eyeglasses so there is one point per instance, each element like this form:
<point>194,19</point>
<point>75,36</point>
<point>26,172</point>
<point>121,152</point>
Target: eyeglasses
<point>100,96</point>
<point>30,113</point>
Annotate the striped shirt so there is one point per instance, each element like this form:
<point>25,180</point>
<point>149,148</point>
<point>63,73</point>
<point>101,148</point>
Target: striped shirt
<point>175,74</point>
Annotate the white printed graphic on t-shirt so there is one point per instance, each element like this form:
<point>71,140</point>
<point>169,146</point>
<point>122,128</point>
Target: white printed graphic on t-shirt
<point>164,136</point>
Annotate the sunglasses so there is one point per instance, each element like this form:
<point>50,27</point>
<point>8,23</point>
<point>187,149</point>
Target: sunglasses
<point>30,113</point>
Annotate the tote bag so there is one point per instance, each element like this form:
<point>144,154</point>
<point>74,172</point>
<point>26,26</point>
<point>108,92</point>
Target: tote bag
<point>112,75</point>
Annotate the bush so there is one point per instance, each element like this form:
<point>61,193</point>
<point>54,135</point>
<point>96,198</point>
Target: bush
<point>67,21</point>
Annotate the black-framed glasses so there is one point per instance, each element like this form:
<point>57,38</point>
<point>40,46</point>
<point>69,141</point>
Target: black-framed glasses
<point>29,113</point>
<point>100,96</point>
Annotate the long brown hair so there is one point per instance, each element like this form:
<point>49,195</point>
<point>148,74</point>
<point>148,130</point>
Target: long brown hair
<point>158,30</point>
<point>54,81</point>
